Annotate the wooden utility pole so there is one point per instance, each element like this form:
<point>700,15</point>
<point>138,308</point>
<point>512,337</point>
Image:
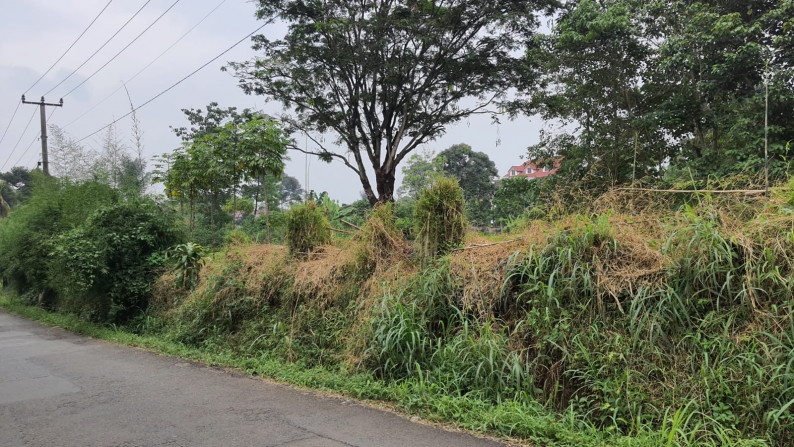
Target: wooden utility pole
<point>45,163</point>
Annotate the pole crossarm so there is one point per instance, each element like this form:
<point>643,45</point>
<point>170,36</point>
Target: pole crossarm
<point>45,165</point>
<point>42,103</point>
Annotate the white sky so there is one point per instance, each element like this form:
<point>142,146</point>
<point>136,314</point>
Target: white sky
<point>34,33</point>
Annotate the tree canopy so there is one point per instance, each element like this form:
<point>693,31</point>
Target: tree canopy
<point>221,149</point>
<point>647,86</point>
<point>385,76</point>
<point>475,171</point>
<point>419,172</point>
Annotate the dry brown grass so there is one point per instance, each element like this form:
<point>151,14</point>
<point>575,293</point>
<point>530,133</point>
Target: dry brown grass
<point>482,269</point>
<point>317,279</point>
<point>165,294</point>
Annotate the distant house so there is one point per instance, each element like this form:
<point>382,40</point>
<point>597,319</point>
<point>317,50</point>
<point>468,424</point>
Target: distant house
<point>259,213</point>
<point>533,169</point>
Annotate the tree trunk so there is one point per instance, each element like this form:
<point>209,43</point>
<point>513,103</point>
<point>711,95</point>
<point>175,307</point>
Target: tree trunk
<point>213,199</point>
<point>267,210</point>
<point>256,198</point>
<point>385,181</point>
<point>192,213</point>
<point>234,206</point>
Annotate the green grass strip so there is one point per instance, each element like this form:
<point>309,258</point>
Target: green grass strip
<point>520,422</point>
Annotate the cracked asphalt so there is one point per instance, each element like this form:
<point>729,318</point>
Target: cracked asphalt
<point>61,389</point>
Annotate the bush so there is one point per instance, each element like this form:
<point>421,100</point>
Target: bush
<point>186,261</point>
<point>236,237</point>
<point>104,268</point>
<point>256,228</point>
<point>307,229</point>
<point>26,236</point>
<point>439,220</point>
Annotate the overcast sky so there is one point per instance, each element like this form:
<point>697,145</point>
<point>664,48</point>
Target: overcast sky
<point>35,33</point>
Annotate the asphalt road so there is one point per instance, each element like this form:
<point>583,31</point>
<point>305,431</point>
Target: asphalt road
<point>60,389</point>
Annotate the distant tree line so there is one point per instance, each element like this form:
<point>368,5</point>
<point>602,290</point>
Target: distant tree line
<point>660,89</point>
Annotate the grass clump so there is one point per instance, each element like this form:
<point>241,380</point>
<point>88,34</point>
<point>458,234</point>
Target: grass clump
<point>380,243</point>
<point>439,219</point>
<point>307,229</point>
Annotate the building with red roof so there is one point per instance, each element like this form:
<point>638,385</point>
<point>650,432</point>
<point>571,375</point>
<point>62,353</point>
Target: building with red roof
<point>533,169</point>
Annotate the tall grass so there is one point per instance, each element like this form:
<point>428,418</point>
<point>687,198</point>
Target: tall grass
<point>605,328</point>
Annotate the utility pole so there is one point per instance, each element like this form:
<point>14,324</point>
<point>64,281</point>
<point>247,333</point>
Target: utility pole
<point>45,164</point>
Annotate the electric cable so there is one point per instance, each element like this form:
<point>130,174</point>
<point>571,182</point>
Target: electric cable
<point>145,67</point>
<point>100,48</point>
<point>122,50</point>
<point>70,47</point>
<point>9,122</point>
<point>172,86</point>
<point>20,139</point>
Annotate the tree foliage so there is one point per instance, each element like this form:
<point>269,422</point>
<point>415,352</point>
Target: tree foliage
<point>385,76</point>
<point>513,197</point>
<point>647,85</point>
<point>419,172</point>
<point>290,191</point>
<point>16,186</point>
<point>475,173</point>
<point>221,150</point>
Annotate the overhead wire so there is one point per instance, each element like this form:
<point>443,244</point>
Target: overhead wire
<point>70,47</point>
<point>172,86</point>
<point>19,140</point>
<point>100,48</point>
<point>34,140</point>
<point>145,67</point>
<point>9,123</point>
<point>122,50</point>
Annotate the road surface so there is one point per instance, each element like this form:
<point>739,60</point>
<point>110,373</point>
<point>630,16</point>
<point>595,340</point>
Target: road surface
<point>61,389</point>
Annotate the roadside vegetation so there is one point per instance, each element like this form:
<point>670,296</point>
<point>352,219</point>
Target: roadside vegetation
<point>640,318</point>
<point>642,295</point>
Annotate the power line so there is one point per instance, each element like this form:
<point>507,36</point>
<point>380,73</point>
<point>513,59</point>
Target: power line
<point>19,140</point>
<point>122,50</point>
<point>172,86</point>
<point>100,48</point>
<point>9,123</point>
<point>70,47</point>
<point>146,67</point>
<point>34,140</point>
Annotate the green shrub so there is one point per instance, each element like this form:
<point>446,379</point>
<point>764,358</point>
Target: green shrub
<point>104,268</point>
<point>186,260</point>
<point>439,220</point>
<point>26,236</point>
<point>404,216</point>
<point>236,237</point>
<point>256,228</point>
<point>307,229</point>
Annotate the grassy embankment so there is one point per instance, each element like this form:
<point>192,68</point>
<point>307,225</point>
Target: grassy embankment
<point>626,325</point>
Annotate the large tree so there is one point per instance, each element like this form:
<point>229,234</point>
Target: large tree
<point>221,150</point>
<point>384,76</point>
<point>593,62</point>
<point>709,76</point>
<point>475,171</point>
